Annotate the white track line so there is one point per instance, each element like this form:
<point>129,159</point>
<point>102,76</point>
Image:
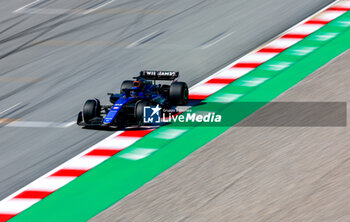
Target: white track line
<point>40,124</point>
<point>137,42</point>
<point>26,6</point>
<point>10,108</point>
<point>94,9</point>
<point>218,40</point>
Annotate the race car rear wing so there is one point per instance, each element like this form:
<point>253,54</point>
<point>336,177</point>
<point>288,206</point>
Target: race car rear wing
<point>159,75</point>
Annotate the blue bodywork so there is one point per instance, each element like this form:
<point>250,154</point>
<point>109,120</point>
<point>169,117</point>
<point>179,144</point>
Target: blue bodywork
<point>116,108</point>
<point>147,93</point>
<point>123,100</point>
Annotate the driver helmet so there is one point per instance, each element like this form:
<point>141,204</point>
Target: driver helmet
<point>139,83</point>
<point>134,91</point>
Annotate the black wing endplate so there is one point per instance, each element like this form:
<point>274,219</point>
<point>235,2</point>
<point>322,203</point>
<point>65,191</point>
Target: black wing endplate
<point>159,75</point>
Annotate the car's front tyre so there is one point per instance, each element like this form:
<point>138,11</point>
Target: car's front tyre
<point>91,109</point>
<point>139,111</point>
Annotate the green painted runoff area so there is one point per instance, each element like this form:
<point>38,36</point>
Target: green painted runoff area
<point>120,175</point>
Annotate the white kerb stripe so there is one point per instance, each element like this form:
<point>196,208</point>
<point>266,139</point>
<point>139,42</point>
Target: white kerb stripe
<point>49,183</point>
<point>233,73</point>
<point>305,29</point>
<point>84,162</point>
<point>258,57</point>
<point>206,89</point>
<point>15,206</point>
<point>345,4</point>
<point>117,143</point>
<point>328,15</point>
<point>283,43</point>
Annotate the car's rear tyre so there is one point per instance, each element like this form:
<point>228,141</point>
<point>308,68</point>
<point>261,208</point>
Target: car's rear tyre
<point>127,84</point>
<point>91,109</point>
<point>178,93</point>
<point>139,110</point>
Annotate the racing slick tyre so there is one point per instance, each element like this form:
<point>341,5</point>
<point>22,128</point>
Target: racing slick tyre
<point>127,84</point>
<point>139,108</point>
<point>178,93</point>
<point>91,109</point>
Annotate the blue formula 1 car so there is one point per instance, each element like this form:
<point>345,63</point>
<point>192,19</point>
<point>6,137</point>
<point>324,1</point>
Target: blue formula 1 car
<point>128,105</point>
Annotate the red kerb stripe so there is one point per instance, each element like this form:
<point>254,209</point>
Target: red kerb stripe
<point>317,22</point>
<point>220,81</point>
<point>337,8</point>
<point>6,217</point>
<point>69,173</point>
<point>295,36</point>
<point>273,50</point>
<point>102,152</point>
<point>135,133</point>
<point>197,97</point>
<point>33,194</point>
<point>247,65</point>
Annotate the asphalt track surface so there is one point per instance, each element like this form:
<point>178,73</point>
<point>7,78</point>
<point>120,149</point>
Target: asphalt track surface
<point>258,173</point>
<point>55,54</point>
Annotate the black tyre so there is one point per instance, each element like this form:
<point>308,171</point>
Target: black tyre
<point>178,93</point>
<point>91,109</point>
<point>139,108</point>
<point>127,84</point>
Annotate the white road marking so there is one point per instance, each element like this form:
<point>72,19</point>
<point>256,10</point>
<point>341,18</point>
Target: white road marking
<point>169,134</point>
<point>137,42</point>
<point>225,98</point>
<point>206,89</point>
<point>25,9</point>
<point>94,9</point>
<point>344,23</point>
<point>302,51</point>
<point>253,81</point>
<point>70,124</point>
<point>137,153</point>
<point>48,183</point>
<point>325,36</point>
<point>234,73</point>
<point>84,162</point>
<point>116,143</point>
<point>40,124</point>
<point>218,40</point>
<point>278,66</point>
<point>328,15</point>
<point>26,6</point>
<point>258,57</point>
<point>283,43</point>
<point>344,4</point>
<point>16,205</point>
<point>305,29</point>
<point>48,11</point>
<point>10,108</point>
